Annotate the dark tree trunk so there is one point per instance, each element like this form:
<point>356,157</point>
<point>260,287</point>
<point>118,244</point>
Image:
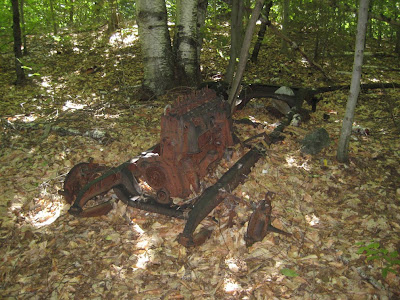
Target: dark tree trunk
<point>285,25</point>
<point>71,12</point>
<point>53,17</point>
<point>113,22</point>
<point>23,31</point>
<point>201,18</point>
<point>261,33</point>
<point>17,42</point>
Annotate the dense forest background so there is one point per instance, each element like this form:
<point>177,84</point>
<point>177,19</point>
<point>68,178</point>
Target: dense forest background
<point>82,96</point>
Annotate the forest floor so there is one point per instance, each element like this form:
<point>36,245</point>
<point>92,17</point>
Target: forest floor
<point>64,115</point>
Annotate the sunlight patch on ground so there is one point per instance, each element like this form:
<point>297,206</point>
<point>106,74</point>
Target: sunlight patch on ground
<point>293,162</point>
<point>304,62</point>
<point>143,260</point>
<point>235,264</point>
<point>231,286</point>
<point>245,195</point>
<point>45,211</point>
<point>23,118</point>
<point>312,220</point>
<point>269,125</point>
<point>124,37</point>
<point>46,82</point>
<point>138,229</point>
<point>47,215</point>
<point>69,105</point>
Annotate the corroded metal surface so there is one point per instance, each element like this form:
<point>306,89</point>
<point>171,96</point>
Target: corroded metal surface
<point>195,132</point>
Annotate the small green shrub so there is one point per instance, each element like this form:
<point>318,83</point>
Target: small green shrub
<point>374,251</point>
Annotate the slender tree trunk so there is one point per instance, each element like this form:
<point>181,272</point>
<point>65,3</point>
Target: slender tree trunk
<point>236,37</point>
<point>285,25</point>
<point>71,12</point>
<point>113,21</point>
<point>261,33</point>
<point>215,12</point>
<point>397,48</point>
<point>17,43</point>
<point>201,18</point>
<point>244,53</point>
<point>53,17</point>
<point>23,29</point>
<point>155,44</point>
<point>343,147</point>
<point>186,42</point>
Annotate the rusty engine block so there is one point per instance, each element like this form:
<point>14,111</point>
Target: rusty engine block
<point>195,132</point>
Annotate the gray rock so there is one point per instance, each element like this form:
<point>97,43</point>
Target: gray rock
<point>315,141</point>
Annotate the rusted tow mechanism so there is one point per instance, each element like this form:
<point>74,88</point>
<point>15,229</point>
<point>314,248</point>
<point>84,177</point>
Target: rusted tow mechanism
<point>195,133</point>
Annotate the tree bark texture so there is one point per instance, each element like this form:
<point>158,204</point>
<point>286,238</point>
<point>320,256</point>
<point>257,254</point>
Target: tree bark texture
<point>285,25</point>
<point>201,18</point>
<point>261,32</point>
<point>186,42</point>
<point>113,22</point>
<point>23,30</point>
<point>236,38</point>
<point>244,53</point>
<point>53,17</point>
<point>343,147</point>
<point>17,42</point>
<point>155,45</point>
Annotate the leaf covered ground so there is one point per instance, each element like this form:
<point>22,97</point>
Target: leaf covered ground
<point>64,115</point>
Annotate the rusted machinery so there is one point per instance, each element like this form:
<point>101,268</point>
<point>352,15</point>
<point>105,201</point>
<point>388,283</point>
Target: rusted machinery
<point>195,132</point>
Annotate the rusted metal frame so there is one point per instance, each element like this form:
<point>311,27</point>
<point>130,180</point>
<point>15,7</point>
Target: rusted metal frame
<point>149,204</point>
<point>116,176</point>
<point>121,176</point>
<point>213,195</point>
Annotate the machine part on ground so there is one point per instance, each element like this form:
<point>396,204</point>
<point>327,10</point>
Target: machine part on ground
<point>78,177</point>
<point>260,221</point>
<point>215,194</point>
<point>195,133</point>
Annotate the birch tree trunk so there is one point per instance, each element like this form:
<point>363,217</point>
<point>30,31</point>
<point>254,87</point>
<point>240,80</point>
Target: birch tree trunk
<point>155,44</point>
<point>186,42</point>
<point>17,42</point>
<point>343,147</point>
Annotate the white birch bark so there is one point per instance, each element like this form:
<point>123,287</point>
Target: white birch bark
<point>187,42</point>
<point>155,45</point>
<point>344,140</point>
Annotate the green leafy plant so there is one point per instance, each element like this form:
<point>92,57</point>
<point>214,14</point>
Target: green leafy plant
<point>289,272</point>
<point>374,251</point>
